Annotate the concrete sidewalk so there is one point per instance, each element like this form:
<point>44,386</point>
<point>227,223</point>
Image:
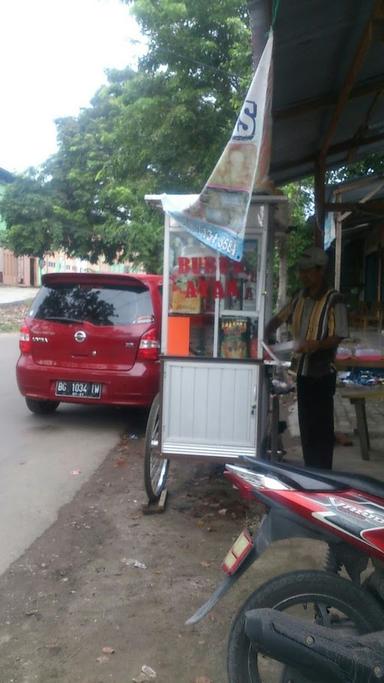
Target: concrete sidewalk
<point>348,458</point>
<point>10,295</point>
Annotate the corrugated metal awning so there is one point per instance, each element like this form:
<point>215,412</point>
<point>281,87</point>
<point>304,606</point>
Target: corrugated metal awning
<point>328,84</point>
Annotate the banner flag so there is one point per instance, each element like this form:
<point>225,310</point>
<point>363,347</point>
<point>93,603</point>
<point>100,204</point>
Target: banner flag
<point>219,214</point>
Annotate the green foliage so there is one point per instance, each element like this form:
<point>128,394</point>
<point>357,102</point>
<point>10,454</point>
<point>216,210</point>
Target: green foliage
<point>300,196</point>
<point>29,212</point>
<point>373,164</point>
<point>158,129</point>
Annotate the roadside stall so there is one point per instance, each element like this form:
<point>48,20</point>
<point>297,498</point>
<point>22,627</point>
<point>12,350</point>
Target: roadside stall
<point>214,394</point>
<point>217,296</point>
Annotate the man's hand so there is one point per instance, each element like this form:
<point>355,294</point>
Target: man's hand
<point>308,346</point>
<point>312,345</point>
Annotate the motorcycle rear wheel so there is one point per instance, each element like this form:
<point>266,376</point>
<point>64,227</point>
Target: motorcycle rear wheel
<point>337,602</point>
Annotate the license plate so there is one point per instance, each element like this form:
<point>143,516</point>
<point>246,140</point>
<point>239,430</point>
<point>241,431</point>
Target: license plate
<point>78,389</point>
<point>238,552</point>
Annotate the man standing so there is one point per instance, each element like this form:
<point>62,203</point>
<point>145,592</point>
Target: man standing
<point>318,318</point>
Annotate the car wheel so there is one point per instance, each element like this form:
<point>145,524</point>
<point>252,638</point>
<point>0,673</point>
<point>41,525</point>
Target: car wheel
<point>41,407</point>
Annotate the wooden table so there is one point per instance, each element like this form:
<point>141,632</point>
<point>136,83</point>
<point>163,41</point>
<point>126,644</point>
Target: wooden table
<point>353,362</point>
<point>359,394</point>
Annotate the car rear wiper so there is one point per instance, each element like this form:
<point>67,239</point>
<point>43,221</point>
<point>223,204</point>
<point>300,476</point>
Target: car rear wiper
<point>62,319</point>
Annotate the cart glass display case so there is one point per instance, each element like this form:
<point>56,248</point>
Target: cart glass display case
<point>213,302</point>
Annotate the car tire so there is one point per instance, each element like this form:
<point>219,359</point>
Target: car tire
<point>41,407</point>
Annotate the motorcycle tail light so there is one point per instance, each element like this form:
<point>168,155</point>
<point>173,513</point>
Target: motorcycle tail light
<point>237,553</point>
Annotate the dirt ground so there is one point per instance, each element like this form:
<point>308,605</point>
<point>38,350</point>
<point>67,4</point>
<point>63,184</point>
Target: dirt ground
<point>77,591</point>
<point>75,608</point>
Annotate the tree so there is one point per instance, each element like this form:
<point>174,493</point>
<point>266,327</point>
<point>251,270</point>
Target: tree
<point>28,211</point>
<point>159,129</point>
<point>373,164</point>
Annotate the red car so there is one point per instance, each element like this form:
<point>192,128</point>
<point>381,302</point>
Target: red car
<point>91,338</point>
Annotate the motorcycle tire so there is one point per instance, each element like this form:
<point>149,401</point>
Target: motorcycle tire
<point>155,466</point>
<point>299,588</point>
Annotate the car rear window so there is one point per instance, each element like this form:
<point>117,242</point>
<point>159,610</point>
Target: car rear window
<point>106,305</point>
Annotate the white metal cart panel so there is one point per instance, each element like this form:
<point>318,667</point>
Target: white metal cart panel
<point>208,408</point>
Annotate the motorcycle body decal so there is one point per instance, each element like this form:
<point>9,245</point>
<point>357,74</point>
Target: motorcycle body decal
<point>348,513</point>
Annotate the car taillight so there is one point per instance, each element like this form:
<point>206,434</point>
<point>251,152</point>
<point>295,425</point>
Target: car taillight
<point>25,345</point>
<point>149,346</point>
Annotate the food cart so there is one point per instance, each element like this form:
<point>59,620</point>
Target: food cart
<point>213,400</point>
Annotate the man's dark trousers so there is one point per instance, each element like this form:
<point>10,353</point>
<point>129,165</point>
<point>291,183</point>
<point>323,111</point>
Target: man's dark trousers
<point>316,421</point>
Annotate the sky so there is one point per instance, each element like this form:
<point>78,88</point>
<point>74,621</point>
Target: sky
<point>53,56</point>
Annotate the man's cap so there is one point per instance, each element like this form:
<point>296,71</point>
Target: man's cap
<point>311,258</point>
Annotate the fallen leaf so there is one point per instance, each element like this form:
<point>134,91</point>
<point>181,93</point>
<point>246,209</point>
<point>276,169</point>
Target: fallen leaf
<point>120,462</point>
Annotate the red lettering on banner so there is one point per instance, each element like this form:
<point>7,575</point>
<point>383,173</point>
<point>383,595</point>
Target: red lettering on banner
<point>196,265</point>
<point>210,265</point>
<point>210,289</point>
<point>191,292</point>
<point>203,287</point>
<point>238,267</point>
<point>207,265</point>
<point>218,291</point>
<point>224,265</point>
<point>232,289</point>
<point>184,266</point>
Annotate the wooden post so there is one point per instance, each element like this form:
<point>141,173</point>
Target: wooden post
<point>319,202</point>
<point>338,242</point>
<point>259,12</point>
<point>281,244</point>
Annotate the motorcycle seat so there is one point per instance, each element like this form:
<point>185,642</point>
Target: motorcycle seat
<point>360,482</point>
<point>311,479</point>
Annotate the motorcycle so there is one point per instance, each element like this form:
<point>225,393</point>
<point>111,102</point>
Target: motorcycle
<point>315,651</point>
<point>346,511</point>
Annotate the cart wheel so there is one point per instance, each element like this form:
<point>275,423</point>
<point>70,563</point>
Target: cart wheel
<point>155,466</point>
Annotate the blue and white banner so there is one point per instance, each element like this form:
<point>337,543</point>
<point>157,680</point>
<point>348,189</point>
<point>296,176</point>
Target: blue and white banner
<point>329,230</point>
<point>219,214</point>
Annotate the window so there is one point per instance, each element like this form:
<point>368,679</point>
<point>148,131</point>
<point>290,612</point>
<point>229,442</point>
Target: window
<point>105,305</point>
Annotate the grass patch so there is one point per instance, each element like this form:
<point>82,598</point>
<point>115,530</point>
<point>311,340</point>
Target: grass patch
<point>9,327</point>
<point>12,315</point>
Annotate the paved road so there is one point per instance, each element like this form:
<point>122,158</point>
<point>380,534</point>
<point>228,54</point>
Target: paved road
<point>13,294</point>
<point>39,455</point>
